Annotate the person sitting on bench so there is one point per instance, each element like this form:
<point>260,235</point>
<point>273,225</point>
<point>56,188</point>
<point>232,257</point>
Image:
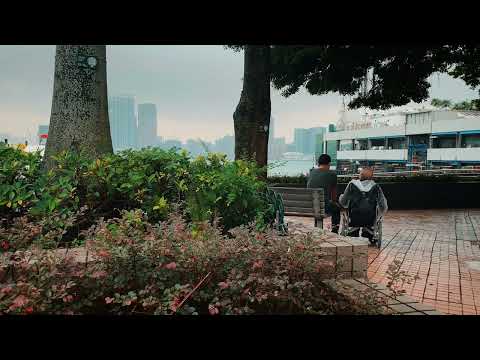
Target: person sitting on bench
<point>361,198</point>
<point>323,177</point>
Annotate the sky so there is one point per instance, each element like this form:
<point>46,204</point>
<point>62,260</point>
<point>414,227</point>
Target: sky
<point>196,89</point>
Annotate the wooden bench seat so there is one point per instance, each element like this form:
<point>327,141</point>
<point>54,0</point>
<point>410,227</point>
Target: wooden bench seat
<point>303,202</point>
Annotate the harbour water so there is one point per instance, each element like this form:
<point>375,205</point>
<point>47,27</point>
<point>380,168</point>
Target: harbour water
<point>290,167</point>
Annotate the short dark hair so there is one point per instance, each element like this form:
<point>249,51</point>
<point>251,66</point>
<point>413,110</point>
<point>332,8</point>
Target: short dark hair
<point>324,159</point>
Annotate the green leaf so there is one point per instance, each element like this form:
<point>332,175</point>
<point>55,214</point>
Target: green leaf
<point>51,205</point>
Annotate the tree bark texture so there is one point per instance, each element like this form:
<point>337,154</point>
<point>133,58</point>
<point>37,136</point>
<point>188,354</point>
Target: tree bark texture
<point>79,116</point>
<point>252,115</point>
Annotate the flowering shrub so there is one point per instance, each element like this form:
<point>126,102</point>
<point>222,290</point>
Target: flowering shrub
<point>47,232</point>
<point>37,281</point>
<point>136,267</point>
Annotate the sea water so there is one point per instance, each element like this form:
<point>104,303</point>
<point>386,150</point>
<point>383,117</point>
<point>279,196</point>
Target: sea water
<point>290,167</point>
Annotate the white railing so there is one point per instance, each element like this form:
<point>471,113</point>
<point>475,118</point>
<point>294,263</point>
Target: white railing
<point>457,172</point>
<point>397,154</point>
<point>454,154</point>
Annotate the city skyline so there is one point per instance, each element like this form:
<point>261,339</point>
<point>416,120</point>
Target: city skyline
<point>196,89</point>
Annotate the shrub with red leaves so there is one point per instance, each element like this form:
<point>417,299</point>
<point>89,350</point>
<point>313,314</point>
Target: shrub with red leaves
<point>175,268</point>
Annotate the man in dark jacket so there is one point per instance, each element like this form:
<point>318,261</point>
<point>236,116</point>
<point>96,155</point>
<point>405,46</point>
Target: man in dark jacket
<point>323,177</point>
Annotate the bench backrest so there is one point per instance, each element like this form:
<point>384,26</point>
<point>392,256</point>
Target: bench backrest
<point>302,201</point>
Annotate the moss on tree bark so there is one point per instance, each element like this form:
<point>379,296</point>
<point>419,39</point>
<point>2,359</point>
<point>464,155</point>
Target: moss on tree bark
<point>79,116</point>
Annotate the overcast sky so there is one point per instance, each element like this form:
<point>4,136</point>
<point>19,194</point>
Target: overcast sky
<point>195,88</point>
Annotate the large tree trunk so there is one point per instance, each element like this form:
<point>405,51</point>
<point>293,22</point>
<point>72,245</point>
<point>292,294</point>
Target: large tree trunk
<point>79,117</point>
<point>252,115</point>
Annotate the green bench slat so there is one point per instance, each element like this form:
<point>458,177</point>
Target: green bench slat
<point>299,204</point>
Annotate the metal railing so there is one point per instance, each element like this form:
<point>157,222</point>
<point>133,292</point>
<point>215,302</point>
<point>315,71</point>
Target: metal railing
<point>456,172</point>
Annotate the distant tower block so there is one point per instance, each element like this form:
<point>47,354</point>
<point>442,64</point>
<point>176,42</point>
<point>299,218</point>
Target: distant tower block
<point>79,117</point>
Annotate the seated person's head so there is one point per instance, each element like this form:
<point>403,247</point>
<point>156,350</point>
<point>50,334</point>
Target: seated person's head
<point>366,174</point>
<point>324,161</point>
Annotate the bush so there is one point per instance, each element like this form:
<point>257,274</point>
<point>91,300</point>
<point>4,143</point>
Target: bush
<point>47,232</point>
<point>301,179</point>
<point>18,173</point>
<point>228,190</point>
<point>174,268</point>
<point>151,179</point>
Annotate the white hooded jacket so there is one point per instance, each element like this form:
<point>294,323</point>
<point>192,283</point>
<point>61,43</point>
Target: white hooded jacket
<point>365,185</point>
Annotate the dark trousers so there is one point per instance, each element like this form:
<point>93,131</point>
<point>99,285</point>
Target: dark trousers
<point>333,210</point>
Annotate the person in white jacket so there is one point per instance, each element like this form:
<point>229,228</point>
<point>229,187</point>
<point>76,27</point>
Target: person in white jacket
<point>365,187</point>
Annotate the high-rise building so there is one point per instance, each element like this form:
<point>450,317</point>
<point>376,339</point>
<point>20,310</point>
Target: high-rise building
<point>315,140</point>
<point>147,125</point>
<point>300,139</point>
<point>123,122</point>
<point>319,150</point>
<point>305,140</point>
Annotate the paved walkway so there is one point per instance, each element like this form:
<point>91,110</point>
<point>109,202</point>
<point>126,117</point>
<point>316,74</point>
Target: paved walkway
<point>440,246</point>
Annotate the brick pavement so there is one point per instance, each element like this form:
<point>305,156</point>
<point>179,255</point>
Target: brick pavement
<point>440,246</point>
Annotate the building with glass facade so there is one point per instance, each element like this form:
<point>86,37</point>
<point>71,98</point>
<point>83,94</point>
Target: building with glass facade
<point>309,141</point>
<point>416,139</point>
<point>123,122</point>
<point>147,125</point>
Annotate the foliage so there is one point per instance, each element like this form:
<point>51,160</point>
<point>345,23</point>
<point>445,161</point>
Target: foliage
<point>465,57</point>
<point>151,179</point>
<point>18,173</point>
<point>397,278</point>
<point>301,180</point>
<point>229,190</point>
<point>441,103</point>
<point>467,105</point>
<point>174,268</point>
<point>464,105</point>
<point>46,232</point>
<point>236,48</point>
<point>396,76</point>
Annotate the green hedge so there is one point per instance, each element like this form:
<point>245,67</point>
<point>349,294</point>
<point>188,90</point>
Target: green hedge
<point>152,179</point>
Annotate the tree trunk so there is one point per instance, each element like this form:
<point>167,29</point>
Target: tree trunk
<point>252,115</point>
<point>79,117</point>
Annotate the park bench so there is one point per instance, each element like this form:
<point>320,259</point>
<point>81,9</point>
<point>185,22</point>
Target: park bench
<point>303,202</point>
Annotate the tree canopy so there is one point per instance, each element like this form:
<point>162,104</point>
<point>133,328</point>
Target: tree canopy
<point>441,103</point>
<point>395,75</point>
<point>463,105</point>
